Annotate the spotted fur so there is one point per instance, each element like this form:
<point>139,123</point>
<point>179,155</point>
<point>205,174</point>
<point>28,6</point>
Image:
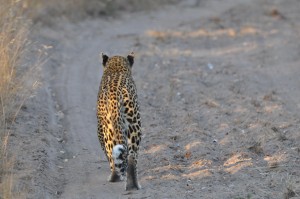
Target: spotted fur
<point>119,122</point>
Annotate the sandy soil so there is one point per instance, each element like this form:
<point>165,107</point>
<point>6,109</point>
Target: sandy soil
<point>218,84</point>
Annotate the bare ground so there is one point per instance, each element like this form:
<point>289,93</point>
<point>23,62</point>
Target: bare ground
<point>218,83</point>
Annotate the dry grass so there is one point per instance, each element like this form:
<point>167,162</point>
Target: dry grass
<point>13,39</point>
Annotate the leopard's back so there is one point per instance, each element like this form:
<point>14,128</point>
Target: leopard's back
<point>119,125</point>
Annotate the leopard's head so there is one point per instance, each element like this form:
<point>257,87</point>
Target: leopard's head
<point>118,62</point>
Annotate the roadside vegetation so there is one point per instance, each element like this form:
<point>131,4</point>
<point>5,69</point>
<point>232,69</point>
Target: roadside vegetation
<point>14,29</point>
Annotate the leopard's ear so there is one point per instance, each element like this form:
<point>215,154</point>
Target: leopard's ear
<point>104,59</point>
<point>130,58</point>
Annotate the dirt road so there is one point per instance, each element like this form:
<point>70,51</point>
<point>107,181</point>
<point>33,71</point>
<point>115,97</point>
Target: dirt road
<point>218,83</point>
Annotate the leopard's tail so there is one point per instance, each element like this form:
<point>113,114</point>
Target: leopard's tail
<point>119,155</point>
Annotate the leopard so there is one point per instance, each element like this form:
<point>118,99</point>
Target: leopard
<point>119,120</point>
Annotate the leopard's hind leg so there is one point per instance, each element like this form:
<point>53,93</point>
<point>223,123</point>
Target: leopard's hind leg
<point>132,180</point>
<point>108,150</point>
<point>133,147</point>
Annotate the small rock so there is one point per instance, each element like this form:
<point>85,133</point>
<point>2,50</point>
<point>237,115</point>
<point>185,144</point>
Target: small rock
<point>66,160</point>
<point>60,115</point>
<point>59,139</point>
<point>210,66</point>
